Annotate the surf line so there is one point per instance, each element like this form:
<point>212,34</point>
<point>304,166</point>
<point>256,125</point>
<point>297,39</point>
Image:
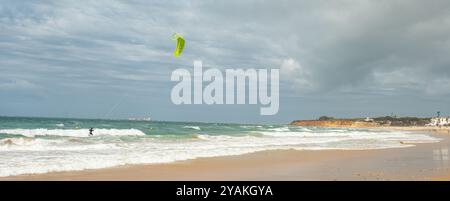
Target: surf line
<point>235,82</point>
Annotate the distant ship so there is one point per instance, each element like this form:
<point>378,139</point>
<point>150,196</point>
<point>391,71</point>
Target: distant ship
<point>139,119</point>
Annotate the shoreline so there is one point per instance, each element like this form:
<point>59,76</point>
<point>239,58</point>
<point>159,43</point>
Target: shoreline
<point>429,129</point>
<point>420,162</point>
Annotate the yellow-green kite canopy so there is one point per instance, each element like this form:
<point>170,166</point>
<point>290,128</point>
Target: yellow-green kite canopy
<point>180,44</point>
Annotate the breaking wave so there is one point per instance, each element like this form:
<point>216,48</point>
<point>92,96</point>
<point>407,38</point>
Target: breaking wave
<point>72,133</point>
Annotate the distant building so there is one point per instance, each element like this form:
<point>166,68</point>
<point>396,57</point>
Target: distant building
<point>368,119</point>
<point>439,121</point>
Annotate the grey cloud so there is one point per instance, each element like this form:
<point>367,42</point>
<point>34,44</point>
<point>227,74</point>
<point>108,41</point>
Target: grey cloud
<point>352,51</point>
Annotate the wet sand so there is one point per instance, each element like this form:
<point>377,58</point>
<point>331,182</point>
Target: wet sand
<point>421,162</point>
<point>427,129</point>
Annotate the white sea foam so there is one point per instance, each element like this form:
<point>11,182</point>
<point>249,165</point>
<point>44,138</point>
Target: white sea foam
<point>42,145</point>
<point>281,129</point>
<point>251,126</point>
<point>192,127</point>
<point>71,133</point>
<point>21,155</point>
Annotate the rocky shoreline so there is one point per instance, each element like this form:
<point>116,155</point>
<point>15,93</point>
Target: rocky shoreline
<point>334,123</point>
<point>387,121</point>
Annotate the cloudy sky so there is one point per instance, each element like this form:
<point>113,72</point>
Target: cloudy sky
<point>113,59</point>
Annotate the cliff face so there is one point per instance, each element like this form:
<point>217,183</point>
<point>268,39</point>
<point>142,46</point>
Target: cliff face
<point>334,123</point>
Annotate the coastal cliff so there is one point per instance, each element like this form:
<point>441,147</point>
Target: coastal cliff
<point>387,121</point>
<point>334,123</point>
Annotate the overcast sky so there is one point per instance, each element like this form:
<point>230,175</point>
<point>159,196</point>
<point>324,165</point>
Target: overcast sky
<point>113,59</point>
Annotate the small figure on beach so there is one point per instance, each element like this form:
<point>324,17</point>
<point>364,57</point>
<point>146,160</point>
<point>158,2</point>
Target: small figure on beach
<point>90,131</point>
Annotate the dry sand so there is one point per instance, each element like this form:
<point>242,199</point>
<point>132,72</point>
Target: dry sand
<point>421,162</point>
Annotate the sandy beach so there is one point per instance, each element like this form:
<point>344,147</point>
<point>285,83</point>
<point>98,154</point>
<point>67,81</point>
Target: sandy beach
<point>421,162</point>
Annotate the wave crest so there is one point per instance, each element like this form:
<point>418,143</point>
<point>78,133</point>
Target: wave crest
<point>72,133</point>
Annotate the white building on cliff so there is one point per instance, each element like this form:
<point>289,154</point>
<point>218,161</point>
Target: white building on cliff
<point>439,121</point>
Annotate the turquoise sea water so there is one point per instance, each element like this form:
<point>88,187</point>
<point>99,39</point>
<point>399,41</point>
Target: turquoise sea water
<point>40,145</point>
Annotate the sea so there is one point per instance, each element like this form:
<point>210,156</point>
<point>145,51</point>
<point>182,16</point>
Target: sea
<point>41,145</point>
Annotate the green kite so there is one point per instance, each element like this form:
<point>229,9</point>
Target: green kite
<point>180,44</point>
